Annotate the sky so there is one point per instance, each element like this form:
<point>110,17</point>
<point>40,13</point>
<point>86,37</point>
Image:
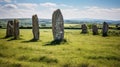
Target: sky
<point>71,9</point>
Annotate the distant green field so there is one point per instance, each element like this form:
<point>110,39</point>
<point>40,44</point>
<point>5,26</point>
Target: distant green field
<point>80,50</point>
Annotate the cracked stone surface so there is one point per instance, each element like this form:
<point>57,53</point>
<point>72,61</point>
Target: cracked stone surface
<point>84,28</point>
<point>95,29</point>
<point>105,29</point>
<point>16,29</point>
<point>9,30</point>
<point>35,28</point>
<point>57,25</point>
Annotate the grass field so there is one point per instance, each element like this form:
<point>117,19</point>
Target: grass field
<point>80,50</point>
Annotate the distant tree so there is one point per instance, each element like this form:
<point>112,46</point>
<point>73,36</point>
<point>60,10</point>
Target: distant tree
<point>43,25</point>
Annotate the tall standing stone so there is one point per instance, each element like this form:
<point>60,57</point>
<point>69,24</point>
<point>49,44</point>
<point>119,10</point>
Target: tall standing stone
<point>105,29</point>
<point>84,29</point>
<point>16,29</point>
<point>58,25</point>
<point>95,29</point>
<point>9,31</point>
<point>35,28</point>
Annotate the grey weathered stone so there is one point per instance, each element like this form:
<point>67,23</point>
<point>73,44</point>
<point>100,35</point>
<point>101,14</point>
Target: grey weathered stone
<point>84,28</point>
<point>94,29</point>
<point>105,29</point>
<point>118,26</point>
<point>10,30</point>
<point>58,25</point>
<point>35,28</point>
<point>16,29</point>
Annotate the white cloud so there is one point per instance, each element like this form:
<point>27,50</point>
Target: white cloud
<point>9,6</point>
<point>26,10</point>
<point>8,1</point>
<point>48,4</point>
<point>23,11</point>
<point>93,12</point>
<point>67,6</point>
<point>27,5</point>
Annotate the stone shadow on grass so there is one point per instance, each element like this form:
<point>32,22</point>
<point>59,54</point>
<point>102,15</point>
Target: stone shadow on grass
<point>5,37</point>
<point>12,38</point>
<point>56,42</point>
<point>31,40</point>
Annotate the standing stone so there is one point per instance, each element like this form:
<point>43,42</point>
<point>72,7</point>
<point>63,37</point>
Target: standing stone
<point>9,31</point>
<point>16,29</point>
<point>35,28</point>
<point>58,25</point>
<point>118,26</point>
<point>94,30</point>
<point>84,29</point>
<point>105,29</point>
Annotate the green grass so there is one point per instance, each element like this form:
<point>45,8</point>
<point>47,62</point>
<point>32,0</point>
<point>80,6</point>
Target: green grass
<point>72,25</point>
<point>79,50</point>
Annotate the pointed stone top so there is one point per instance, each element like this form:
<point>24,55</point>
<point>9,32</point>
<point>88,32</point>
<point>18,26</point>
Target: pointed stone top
<point>57,14</point>
<point>35,15</point>
<point>58,10</point>
<point>105,22</point>
<point>84,24</point>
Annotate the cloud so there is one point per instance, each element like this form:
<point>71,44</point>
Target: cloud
<point>23,10</point>
<point>9,6</point>
<point>45,10</point>
<point>48,4</point>
<point>93,12</point>
<point>8,1</point>
<point>66,6</point>
<point>27,5</point>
